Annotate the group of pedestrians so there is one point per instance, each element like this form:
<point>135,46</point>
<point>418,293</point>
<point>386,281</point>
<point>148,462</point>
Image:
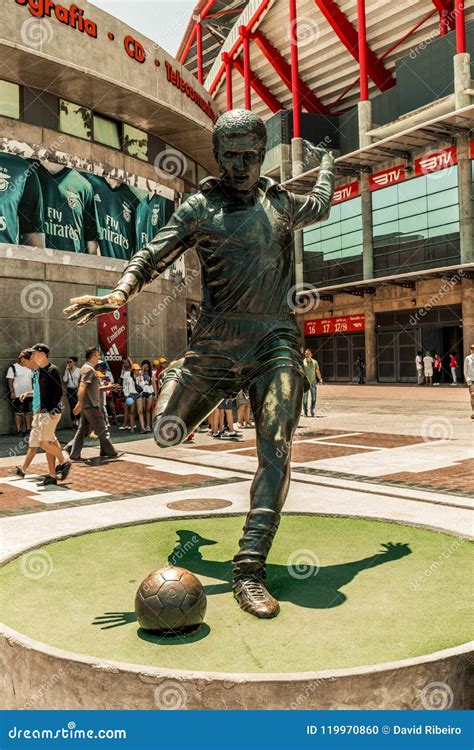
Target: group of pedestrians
<point>429,370</point>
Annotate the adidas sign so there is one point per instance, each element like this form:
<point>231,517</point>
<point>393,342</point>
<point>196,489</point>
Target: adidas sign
<point>113,354</point>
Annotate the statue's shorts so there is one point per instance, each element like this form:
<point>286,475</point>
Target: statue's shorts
<point>227,354</point>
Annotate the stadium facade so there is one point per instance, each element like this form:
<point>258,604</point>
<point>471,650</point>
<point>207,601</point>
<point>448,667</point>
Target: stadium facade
<point>101,134</point>
<point>388,86</point>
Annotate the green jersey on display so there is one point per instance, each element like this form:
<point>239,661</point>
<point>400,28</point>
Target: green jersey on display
<point>21,203</point>
<point>153,212</point>
<point>69,209</point>
<point>116,208</point>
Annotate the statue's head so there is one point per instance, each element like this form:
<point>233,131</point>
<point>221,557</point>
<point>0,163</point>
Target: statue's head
<point>239,141</point>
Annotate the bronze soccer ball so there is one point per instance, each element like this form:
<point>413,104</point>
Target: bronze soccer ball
<point>170,600</point>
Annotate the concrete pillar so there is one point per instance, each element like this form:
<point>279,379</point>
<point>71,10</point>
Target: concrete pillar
<point>297,169</point>
<point>370,340</point>
<point>465,197</point>
<point>285,162</point>
<point>467,312</point>
<point>462,80</point>
<point>297,156</point>
<point>365,123</point>
<point>368,245</point>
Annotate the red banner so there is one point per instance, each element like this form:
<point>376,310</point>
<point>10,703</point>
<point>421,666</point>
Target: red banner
<point>435,161</point>
<point>387,177</point>
<point>345,192</point>
<point>328,326</point>
<point>472,149</point>
<point>112,332</point>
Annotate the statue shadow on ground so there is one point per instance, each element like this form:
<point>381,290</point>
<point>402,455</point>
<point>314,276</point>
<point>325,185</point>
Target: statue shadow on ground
<point>309,586</point>
<point>305,586</point>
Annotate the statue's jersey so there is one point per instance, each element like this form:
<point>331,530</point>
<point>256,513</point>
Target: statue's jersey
<point>21,203</point>
<point>246,252</point>
<point>115,207</point>
<point>153,212</point>
<point>69,210</point>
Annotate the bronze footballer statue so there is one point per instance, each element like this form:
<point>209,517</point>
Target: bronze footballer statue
<point>241,225</point>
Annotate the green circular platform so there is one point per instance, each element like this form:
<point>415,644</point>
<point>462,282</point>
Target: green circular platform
<point>356,603</point>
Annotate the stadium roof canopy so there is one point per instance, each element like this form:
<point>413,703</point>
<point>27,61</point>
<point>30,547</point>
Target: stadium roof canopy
<point>327,43</point>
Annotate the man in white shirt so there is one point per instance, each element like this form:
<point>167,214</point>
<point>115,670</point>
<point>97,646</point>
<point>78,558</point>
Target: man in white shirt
<point>19,380</point>
<point>420,374</point>
<point>469,376</point>
<point>71,377</point>
<point>428,365</point>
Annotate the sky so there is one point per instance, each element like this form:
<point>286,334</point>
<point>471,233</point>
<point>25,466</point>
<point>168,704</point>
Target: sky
<point>163,21</point>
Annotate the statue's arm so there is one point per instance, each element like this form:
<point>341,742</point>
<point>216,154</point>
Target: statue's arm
<point>168,244</point>
<point>307,209</point>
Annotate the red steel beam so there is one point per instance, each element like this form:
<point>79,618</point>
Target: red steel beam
<point>189,44</point>
<point>349,37</point>
<point>228,62</point>
<point>255,18</point>
<point>200,75</point>
<point>308,99</point>
<point>260,88</point>
<point>246,44</point>
<point>362,45</point>
<point>460,26</point>
<point>295,78</point>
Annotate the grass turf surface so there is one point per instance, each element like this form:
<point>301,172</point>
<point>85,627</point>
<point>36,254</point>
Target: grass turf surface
<point>355,603</point>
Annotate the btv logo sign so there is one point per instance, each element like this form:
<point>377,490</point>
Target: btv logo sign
<point>438,160</point>
<point>346,192</point>
<point>387,177</point>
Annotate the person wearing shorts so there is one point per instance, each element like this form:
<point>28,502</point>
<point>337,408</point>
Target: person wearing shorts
<point>47,396</point>
<point>242,227</point>
<point>19,381</point>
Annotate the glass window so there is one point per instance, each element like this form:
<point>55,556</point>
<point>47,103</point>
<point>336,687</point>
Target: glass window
<point>413,207</point>
<point>9,99</point>
<point>443,216</point>
<point>106,131</point>
<point>441,200</point>
<point>351,208</point>
<point>413,224</point>
<point>75,120</point>
<point>385,197</point>
<point>442,180</point>
<point>330,230</point>
<point>135,142</point>
<point>389,213</point>
<point>410,189</point>
<point>331,245</point>
<point>444,231</point>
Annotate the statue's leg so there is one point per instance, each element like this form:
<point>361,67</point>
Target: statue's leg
<point>276,402</point>
<point>180,408</point>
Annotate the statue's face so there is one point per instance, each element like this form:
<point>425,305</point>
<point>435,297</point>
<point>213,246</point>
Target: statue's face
<point>240,158</point>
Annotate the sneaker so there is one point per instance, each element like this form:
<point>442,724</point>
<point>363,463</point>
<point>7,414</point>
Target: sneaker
<point>124,428</point>
<point>19,472</point>
<point>63,470</point>
<point>116,455</point>
<point>254,598</point>
<point>49,480</point>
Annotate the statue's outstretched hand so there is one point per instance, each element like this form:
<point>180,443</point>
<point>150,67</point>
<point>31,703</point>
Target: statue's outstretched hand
<point>85,308</point>
<point>327,158</point>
